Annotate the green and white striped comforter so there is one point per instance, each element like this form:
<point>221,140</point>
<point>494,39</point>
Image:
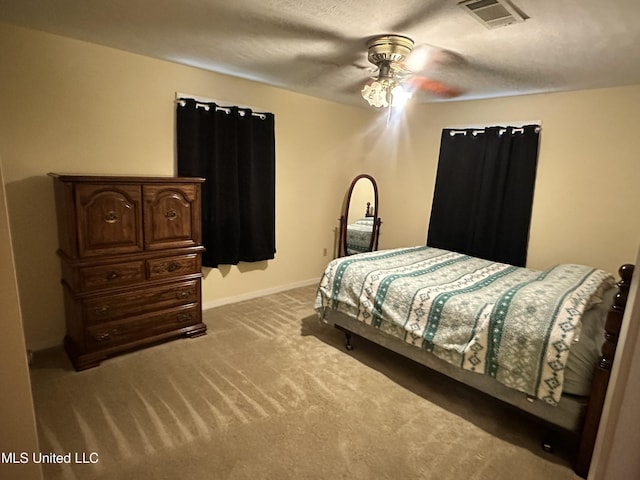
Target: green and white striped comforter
<point>514,324</point>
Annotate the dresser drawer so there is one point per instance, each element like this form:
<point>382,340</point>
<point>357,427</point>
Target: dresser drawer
<point>144,326</point>
<point>106,276</point>
<point>167,267</point>
<point>136,302</point>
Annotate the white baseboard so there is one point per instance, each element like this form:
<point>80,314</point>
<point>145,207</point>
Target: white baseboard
<point>258,293</point>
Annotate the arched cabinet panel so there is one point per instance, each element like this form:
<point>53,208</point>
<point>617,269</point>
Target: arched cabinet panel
<point>172,216</point>
<point>109,219</point>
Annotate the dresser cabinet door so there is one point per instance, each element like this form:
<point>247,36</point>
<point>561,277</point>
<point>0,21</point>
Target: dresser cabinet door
<point>172,216</point>
<point>109,219</point>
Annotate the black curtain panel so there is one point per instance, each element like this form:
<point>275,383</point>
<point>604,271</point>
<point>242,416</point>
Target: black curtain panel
<point>234,150</point>
<point>484,192</point>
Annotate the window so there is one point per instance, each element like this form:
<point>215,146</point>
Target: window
<point>484,192</point>
<point>233,148</point>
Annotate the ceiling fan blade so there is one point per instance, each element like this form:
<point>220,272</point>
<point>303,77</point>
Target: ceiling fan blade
<point>352,87</point>
<point>425,56</point>
<point>432,86</point>
<point>427,12</point>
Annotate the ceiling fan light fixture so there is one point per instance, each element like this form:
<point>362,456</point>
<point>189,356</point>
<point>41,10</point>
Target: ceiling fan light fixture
<point>387,52</point>
<point>375,93</point>
<point>400,96</point>
<point>398,74</point>
<point>383,93</point>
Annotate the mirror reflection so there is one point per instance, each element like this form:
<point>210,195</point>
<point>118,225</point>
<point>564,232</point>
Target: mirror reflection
<point>360,224</point>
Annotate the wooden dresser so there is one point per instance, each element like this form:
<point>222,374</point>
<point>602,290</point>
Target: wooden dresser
<point>130,251</point>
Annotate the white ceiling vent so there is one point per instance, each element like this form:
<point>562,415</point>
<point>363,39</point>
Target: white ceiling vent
<point>493,13</point>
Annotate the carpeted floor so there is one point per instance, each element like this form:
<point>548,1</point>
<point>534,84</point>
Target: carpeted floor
<point>270,393</point>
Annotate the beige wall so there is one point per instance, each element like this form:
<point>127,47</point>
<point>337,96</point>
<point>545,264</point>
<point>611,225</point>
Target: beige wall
<point>586,202</point>
<point>73,107</point>
<point>17,421</point>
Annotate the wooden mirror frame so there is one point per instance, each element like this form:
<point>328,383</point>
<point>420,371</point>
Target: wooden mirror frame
<point>375,231</point>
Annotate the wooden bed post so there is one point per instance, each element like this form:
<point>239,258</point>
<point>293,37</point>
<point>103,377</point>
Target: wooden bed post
<point>602,373</point>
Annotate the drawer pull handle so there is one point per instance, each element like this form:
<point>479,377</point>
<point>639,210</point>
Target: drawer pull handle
<point>104,336</point>
<point>111,217</point>
<point>182,295</point>
<point>113,275</point>
<point>171,214</point>
<point>184,317</point>
<point>103,310</point>
<point>173,267</point>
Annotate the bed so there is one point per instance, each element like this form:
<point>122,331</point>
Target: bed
<point>542,341</point>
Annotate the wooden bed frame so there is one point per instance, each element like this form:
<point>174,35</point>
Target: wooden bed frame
<point>584,425</point>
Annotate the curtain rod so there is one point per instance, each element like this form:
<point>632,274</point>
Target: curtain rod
<point>475,132</point>
<point>227,110</point>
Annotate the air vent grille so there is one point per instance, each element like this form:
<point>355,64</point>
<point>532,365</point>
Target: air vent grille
<point>493,13</point>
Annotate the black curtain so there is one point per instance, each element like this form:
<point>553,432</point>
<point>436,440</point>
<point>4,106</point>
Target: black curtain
<point>234,150</point>
<point>484,192</point>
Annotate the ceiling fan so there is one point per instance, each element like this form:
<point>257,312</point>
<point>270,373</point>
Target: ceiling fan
<point>399,67</point>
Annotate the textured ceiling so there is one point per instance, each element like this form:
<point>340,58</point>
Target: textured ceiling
<point>318,47</point>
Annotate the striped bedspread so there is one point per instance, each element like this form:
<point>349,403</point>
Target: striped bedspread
<point>514,324</point>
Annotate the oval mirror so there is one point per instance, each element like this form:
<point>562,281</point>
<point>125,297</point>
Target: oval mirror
<point>360,224</point>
